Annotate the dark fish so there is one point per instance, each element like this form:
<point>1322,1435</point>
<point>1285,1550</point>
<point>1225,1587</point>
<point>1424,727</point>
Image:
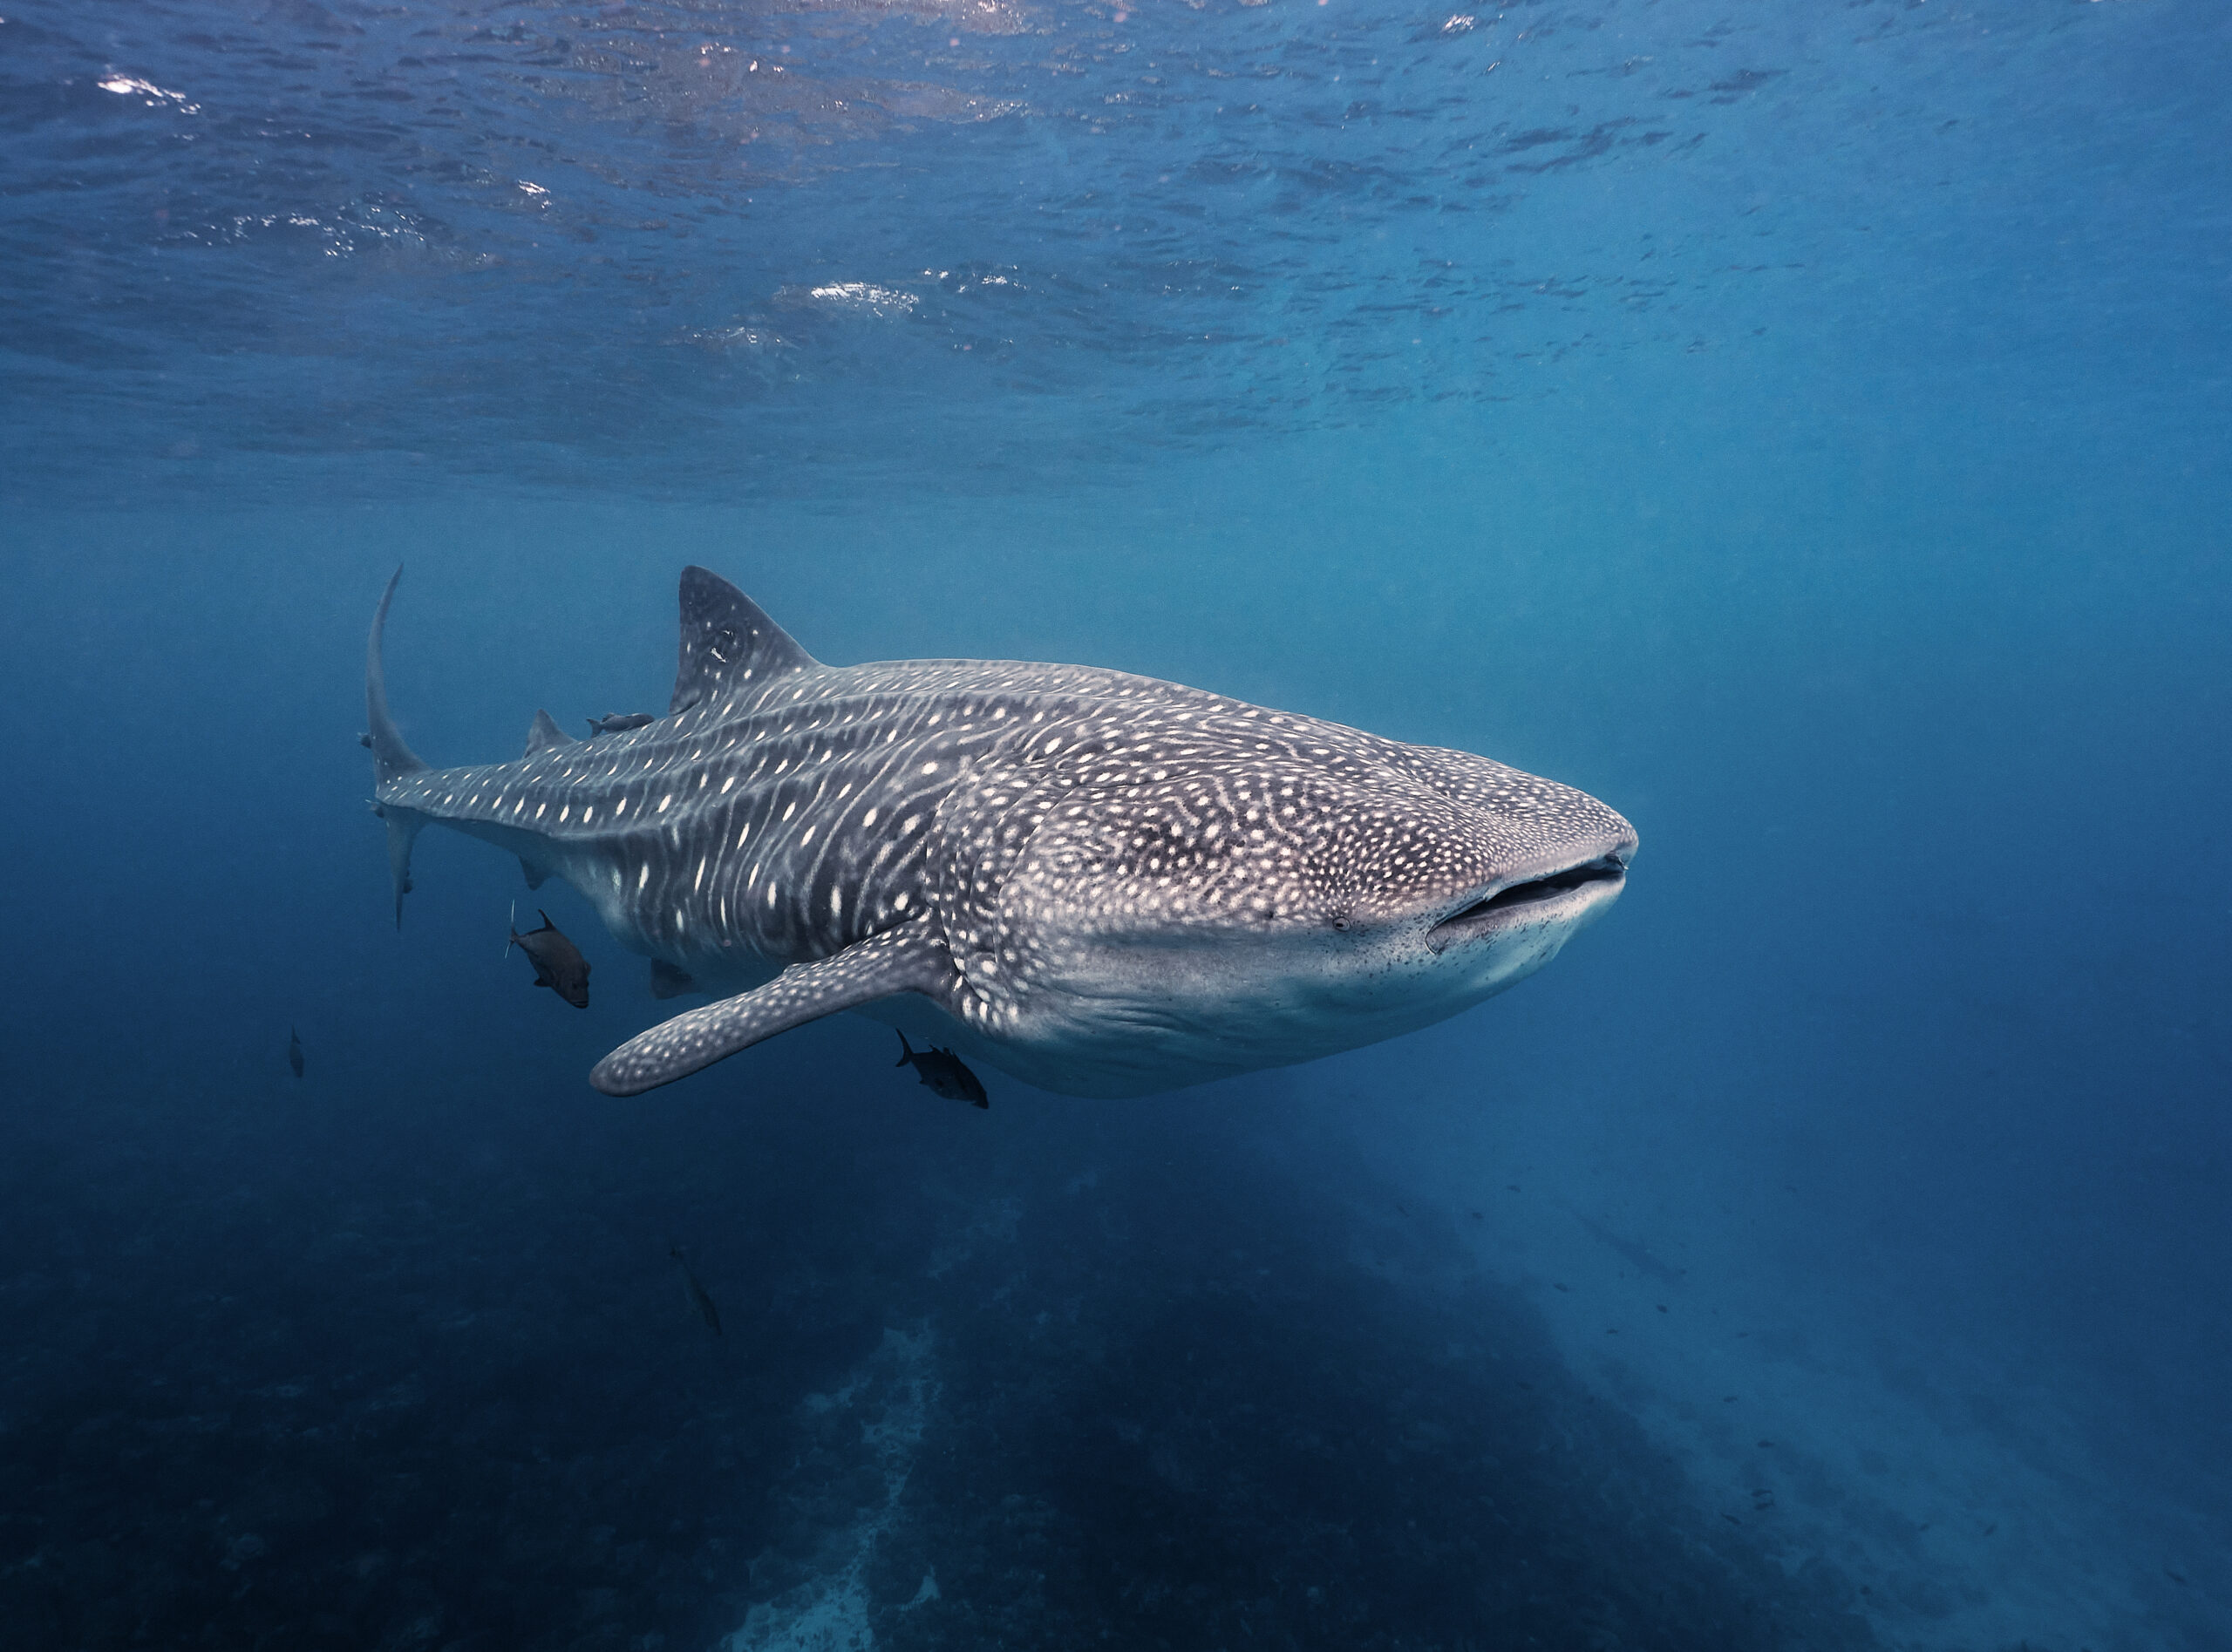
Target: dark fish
<point>694,1291</point>
<point>942,1071</point>
<point>295,1051</point>
<point>1641,1259</point>
<point>558,962</point>
<point>620,722</point>
<point>667,982</point>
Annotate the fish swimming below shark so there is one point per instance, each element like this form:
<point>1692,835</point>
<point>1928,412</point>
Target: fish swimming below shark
<point>1102,884</point>
<point>694,1291</point>
<point>558,962</point>
<point>943,1072</point>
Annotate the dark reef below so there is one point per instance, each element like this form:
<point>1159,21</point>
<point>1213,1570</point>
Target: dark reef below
<point>1137,1377</point>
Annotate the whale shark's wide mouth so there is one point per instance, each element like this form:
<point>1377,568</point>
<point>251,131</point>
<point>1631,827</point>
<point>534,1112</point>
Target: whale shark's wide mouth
<point>1532,900</point>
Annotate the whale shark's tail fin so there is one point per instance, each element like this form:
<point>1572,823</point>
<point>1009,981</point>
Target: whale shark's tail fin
<point>391,758</point>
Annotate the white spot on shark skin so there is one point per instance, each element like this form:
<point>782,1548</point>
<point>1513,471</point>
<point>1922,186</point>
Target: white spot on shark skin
<point>643,875</point>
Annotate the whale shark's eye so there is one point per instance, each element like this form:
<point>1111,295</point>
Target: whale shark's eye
<point>722,645</point>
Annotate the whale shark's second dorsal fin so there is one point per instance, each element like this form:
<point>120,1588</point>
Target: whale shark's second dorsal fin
<point>543,735</point>
<point>728,643</point>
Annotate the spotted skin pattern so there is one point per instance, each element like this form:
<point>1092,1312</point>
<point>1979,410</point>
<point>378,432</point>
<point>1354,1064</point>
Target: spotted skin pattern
<point>1101,883</point>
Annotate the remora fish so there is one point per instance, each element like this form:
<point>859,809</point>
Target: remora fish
<point>1103,884</point>
<point>558,962</point>
<point>620,722</point>
<point>943,1072</point>
<point>295,1051</point>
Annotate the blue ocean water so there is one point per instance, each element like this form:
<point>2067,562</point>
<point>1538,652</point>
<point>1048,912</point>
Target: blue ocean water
<point>1803,427</point>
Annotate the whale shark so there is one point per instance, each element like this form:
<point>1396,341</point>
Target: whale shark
<point>1101,884</point>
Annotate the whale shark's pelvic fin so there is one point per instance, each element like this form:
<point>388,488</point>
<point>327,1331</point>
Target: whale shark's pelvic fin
<point>906,960</point>
<point>728,641</point>
<point>543,735</point>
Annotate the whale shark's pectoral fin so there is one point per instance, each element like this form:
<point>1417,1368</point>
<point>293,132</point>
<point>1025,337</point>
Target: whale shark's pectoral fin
<point>543,735</point>
<point>907,960</point>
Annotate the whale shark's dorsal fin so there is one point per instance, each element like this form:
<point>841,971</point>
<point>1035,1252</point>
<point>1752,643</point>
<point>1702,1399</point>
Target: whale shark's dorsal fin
<point>543,735</point>
<point>727,642</point>
<point>903,960</point>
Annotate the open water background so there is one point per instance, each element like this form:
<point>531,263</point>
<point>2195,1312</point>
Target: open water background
<point>1801,426</point>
